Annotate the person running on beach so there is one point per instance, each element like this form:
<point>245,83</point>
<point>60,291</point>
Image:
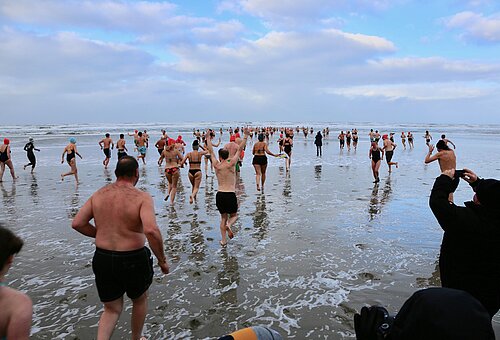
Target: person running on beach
<point>318,141</point>
<point>136,138</point>
<point>5,159</point>
<point>173,158</point>
<point>446,159</point>
<point>160,146</point>
<point>146,138</point>
<point>428,138</point>
<point>225,199</point>
<point>287,147</point>
<point>410,139</point>
<point>371,135</point>
<point>141,147</point>
<point>280,142</point>
<point>124,218</point>
<point>389,147</point>
<point>16,307</point>
<point>29,148</point>
<point>259,162</point>
<point>106,145</point>
<point>376,154</point>
<point>194,173</point>
<point>355,139</point>
<point>71,153</point>
<point>348,140</point>
<point>120,146</point>
<point>208,159</point>
<point>341,138</point>
<point>403,140</point>
<point>446,140</point>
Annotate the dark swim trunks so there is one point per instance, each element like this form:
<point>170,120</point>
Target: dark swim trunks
<point>388,155</point>
<point>120,272</point>
<point>107,152</point>
<point>226,202</point>
<point>121,153</point>
<point>259,160</point>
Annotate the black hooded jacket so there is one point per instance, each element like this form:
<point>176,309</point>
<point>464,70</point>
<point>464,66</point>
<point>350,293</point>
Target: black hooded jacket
<point>470,251</point>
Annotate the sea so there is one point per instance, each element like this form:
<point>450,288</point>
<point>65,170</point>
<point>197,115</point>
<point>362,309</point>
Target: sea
<point>319,243</point>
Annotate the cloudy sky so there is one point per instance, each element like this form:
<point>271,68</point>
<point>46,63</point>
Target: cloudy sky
<point>417,61</point>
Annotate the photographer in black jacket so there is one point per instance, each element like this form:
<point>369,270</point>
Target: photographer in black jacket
<point>470,250</point>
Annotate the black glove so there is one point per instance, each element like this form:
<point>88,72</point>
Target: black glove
<point>373,324</point>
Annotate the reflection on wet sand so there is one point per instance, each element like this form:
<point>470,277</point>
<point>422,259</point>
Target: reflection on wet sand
<point>376,202</point>
<point>197,239</point>
<point>34,188</point>
<point>228,279</point>
<point>174,244</point>
<point>9,198</point>
<point>260,218</point>
<point>74,206</point>
<point>317,172</point>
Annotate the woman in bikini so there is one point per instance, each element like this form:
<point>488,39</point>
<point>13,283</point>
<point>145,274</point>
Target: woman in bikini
<point>410,139</point>
<point>403,140</point>
<point>70,151</point>
<point>194,173</point>
<point>259,162</point>
<point>287,147</point>
<point>376,154</point>
<point>172,158</point>
<point>5,159</point>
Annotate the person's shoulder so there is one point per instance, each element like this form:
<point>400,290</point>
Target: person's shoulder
<point>17,299</point>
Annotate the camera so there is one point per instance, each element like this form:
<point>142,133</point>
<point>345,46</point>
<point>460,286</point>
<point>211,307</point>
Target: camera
<point>459,173</point>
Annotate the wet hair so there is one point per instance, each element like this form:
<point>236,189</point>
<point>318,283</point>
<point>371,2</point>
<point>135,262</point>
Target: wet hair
<point>107,135</point>
<point>139,134</point>
<point>196,144</point>
<point>10,244</point>
<point>122,135</point>
<point>126,167</point>
<point>223,153</point>
<point>443,136</point>
<point>441,145</point>
<point>261,137</point>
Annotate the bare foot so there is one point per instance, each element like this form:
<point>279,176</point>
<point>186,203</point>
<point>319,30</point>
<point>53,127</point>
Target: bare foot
<point>191,199</point>
<point>397,165</point>
<point>62,177</point>
<point>230,233</point>
<point>223,244</point>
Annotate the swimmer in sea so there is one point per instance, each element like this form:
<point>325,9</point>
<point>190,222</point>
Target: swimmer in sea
<point>172,158</point>
<point>6,160</point>
<point>120,146</point>
<point>29,148</point>
<point>447,161</point>
<point>194,173</point>
<point>71,153</point>
<point>105,145</point>
<point>389,147</point>
<point>259,162</point>
<point>376,154</point>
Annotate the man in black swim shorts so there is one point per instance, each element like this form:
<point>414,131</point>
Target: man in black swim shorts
<point>124,218</point>
<point>225,199</point>
<point>105,145</point>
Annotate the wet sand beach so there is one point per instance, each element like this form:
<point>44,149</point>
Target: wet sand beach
<point>318,244</point>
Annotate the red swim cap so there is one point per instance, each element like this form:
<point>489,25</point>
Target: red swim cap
<point>232,138</point>
<point>6,141</point>
<point>170,141</point>
<point>384,137</point>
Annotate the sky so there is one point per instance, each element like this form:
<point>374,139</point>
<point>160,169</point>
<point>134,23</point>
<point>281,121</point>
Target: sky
<point>402,61</point>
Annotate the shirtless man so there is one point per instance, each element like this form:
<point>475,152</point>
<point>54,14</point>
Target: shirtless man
<point>120,146</point>
<point>447,161</point>
<point>446,140</point>
<point>389,147</point>
<point>226,201</point>
<point>160,146</point>
<point>136,138</point>
<point>141,147</point>
<point>16,307</point>
<point>105,147</point>
<point>124,218</point>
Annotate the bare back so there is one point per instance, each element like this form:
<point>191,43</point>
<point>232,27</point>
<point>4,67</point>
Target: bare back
<point>226,176</point>
<point>232,147</point>
<point>116,209</point>
<point>447,159</point>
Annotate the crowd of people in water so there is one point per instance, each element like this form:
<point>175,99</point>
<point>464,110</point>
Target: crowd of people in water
<point>120,230</point>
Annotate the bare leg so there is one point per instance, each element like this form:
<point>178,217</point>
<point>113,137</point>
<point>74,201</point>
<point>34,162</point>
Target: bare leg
<point>11,167</point>
<point>223,226</point>
<point>191,179</point>
<point>2,169</point>
<point>197,182</point>
<point>263,177</point>
<point>109,318</point>
<point>232,219</point>
<point>139,310</point>
<point>258,175</point>
<point>173,190</point>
